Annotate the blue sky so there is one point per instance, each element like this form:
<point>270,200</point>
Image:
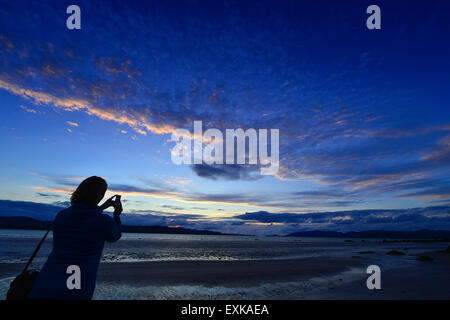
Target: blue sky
<point>363,114</point>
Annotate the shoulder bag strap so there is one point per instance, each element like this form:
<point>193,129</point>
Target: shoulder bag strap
<point>37,248</point>
<point>35,251</point>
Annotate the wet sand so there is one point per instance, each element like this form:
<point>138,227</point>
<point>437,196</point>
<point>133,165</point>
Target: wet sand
<point>308,278</point>
<point>419,280</point>
<point>221,273</point>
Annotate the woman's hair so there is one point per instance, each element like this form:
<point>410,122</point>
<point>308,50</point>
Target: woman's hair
<point>90,191</point>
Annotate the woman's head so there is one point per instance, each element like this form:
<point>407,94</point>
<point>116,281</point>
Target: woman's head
<point>90,191</point>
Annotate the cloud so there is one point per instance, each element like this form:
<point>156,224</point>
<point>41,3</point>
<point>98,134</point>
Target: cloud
<point>48,195</point>
<point>79,104</point>
<point>73,124</point>
<point>117,66</point>
<point>442,192</point>
<point>166,206</point>
<point>226,172</point>
<point>29,110</point>
<point>437,218</point>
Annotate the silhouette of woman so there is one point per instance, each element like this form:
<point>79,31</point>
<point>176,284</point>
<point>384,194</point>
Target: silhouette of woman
<point>79,233</point>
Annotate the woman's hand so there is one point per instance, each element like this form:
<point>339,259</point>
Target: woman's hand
<point>108,203</point>
<point>117,206</point>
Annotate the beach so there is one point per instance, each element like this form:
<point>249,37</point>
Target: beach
<point>228,267</point>
<point>307,278</point>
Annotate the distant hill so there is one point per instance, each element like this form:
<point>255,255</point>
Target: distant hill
<point>417,234</point>
<point>27,223</point>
